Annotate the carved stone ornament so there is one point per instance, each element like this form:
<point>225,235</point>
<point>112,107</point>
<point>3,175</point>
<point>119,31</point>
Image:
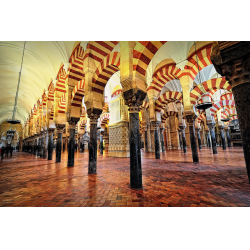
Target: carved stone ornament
<point>155,125</point>
<point>93,118</point>
<point>210,126</point>
<point>191,118</point>
<point>60,128</point>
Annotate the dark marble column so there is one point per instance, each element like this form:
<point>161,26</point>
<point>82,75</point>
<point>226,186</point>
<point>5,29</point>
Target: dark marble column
<point>208,140</point>
<point>184,143</point>
<point>180,139</point>
<point>59,142</point>
<point>155,127</point>
<point>45,145</point>
<point>50,143</point>
<point>223,138</point>
<point>162,139</point>
<point>71,143</point>
<point>199,138</point>
<point>101,143</point>
<point>93,145</point>
<point>146,140</point>
<point>211,129</point>
<point>35,146</point>
<point>42,144</point>
<point>232,60</point>
<point>32,146</point>
<point>228,138</point>
<point>38,146</point>
<point>135,152</point>
<point>190,121</point>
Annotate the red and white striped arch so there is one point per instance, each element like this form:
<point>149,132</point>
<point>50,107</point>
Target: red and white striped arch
<point>145,104</point>
<point>104,118</point>
<point>143,54</point>
<point>99,50</point>
<point>167,97</point>
<point>168,114</point>
<point>78,94</point>
<point>61,79</point>
<point>76,64</point>
<point>163,75</point>
<point>108,66</point>
<point>227,96</point>
<point>62,104</point>
<point>204,60</point>
<point>219,105</point>
<point>209,86</point>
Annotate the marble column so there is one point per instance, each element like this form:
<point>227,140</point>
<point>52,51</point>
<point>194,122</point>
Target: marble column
<point>38,146</point>
<point>42,144</point>
<point>199,138</point>
<point>228,138</point>
<point>32,146</point>
<point>232,60</point>
<point>59,142</point>
<point>211,129</point>
<point>180,139</point>
<point>208,139</point>
<point>35,147</point>
<point>191,120</point>
<point>93,145</point>
<point>50,143</point>
<point>101,143</point>
<point>155,128</point>
<point>45,146</point>
<point>162,139</point>
<point>223,138</point>
<point>184,143</point>
<point>71,143</point>
<point>146,140</point>
<point>135,152</point>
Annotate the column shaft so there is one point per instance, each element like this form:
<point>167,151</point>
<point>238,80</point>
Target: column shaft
<point>71,146</point>
<point>92,146</point>
<point>199,139</point>
<point>223,139</point>
<point>59,146</point>
<point>50,146</point>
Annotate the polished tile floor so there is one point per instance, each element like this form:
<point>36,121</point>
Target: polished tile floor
<point>173,181</point>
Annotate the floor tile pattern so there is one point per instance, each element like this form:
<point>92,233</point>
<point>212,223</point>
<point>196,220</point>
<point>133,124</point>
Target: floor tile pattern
<point>173,181</point>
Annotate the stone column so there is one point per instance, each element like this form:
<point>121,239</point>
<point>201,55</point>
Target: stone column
<point>223,138</point>
<point>155,128</point>
<point>45,146</point>
<point>134,141</point>
<point>146,139</point>
<point>59,142</point>
<point>32,146</point>
<point>232,60</point>
<point>101,142</point>
<point>191,120</point>
<point>50,143</point>
<point>228,138</point>
<point>162,139</point>
<point>42,144</point>
<point>199,138</point>
<point>182,129</point>
<point>38,146</point>
<point>71,143</point>
<point>93,144</point>
<point>208,139</point>
<point>180,139</point>
<point>211,128</point>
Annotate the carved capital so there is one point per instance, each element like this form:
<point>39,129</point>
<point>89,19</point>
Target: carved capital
<point>60,128</point>
<point>51,131</point>
<point>232,60</point>
<point>190,118</point>
<point>210,126</point>
<point>155,125</point>
<point>72,124</point>
<point>133,107</point>
<point>93,118</point>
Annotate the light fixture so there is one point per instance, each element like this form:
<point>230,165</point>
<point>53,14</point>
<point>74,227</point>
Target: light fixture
<point>204,105</point>
<point>13,120</point>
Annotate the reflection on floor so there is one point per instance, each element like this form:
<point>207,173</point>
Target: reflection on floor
<point>218,180</point>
